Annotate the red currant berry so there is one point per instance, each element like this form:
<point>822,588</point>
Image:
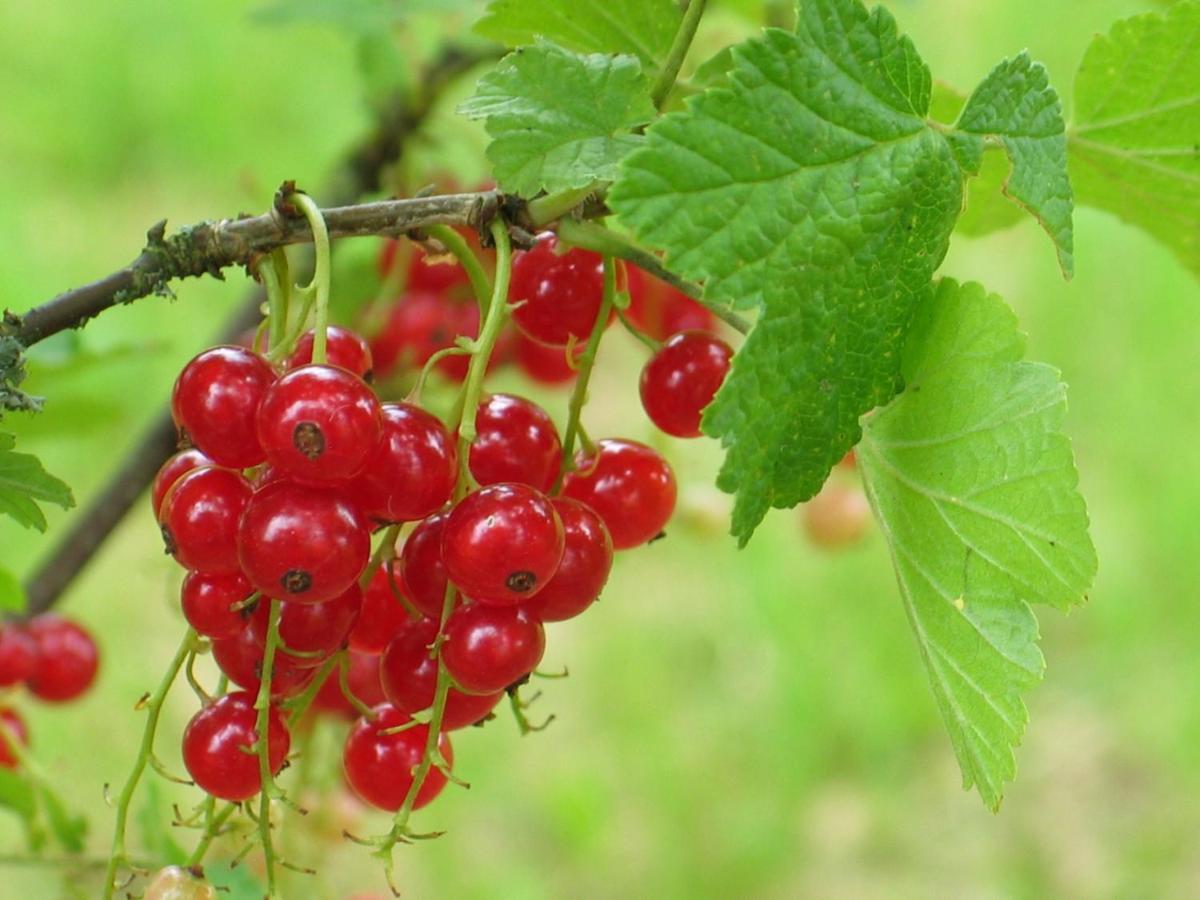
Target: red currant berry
<point>545,365</point>
<point>215,401</point>
<point>18,655</point>
<point>409,676</point>
<point>587,560</point>
<point>318,424</point>
<point>421,567</point>
<point>418,325</point>
<point>14,729</point>
<point>241,658</point>
<point>207,602</point>
<point>178,883</point>
<point>363,678</point>
<point>515,440</point>
<point>299,543</point>
<point>631,486</point>
<point>837,517</point>
<point>315,631</point>
<point>67,658</point>
<point>172,470</point>
<point>383,613</point>
<point>660,310</point>
<point>219,744</point>
<point>200,516</point>
<point>488,648</point>
<point>344,348</point>
<point>380,766</point>
<point>502,543</point>
<point>559,295</point>
<point>412,470</point>
<point>681,379</point>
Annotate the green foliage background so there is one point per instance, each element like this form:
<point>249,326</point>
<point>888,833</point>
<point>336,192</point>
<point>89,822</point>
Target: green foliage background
<point>750,723</point>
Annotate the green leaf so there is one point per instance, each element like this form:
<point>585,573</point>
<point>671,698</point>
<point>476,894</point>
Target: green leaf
<point>560,120</point>
<point>68,828</point>
<point>812,187</point>
<point>1135,139</point>
<point>1016,108</point>
<point>17,794</point>
<point>643,28</point>
<point>23,483</point>
<point>12,595</point>
<point>974,486</point>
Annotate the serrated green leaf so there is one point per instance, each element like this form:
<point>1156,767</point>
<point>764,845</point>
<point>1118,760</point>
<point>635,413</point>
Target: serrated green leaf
<point>985,209</point>
<point>1016,108</point>
<point>1135,139</point>
<point>813,188</point>
<point>643,28</point>
<point>68,828</point>
<point>17,794</point>
<point>559,120</point>
<point>23,483</point>
<point>975,489</point>
<point>12,595</point>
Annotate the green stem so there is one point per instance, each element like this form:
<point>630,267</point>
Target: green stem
<point>321,270</point>
<point>650,342</point>
<point>456,244</point>
<point>599,239</point>
<point>679,49</point>
<point>301,704</point>
<point>587,361</point>
<point>547,209</point>
<point>262,745</point>
<point>276,278</point>
<point>473,387</point>
<point>154,707</point>
<point>211,830</point>
<point>384,552</point>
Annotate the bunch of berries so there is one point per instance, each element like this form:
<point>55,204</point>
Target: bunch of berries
<point>289,470</point>
<point>54,658</point>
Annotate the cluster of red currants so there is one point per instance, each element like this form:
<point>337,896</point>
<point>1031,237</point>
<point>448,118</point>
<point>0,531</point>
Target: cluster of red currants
<point>54,658</point>
<point>288,473</point>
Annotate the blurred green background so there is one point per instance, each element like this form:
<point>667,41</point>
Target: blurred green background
<point>735,724</point>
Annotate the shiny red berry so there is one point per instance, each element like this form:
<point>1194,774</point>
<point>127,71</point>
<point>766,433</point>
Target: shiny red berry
<point>383,614</point>
<point>412,470</point>
<point>545,365</point>
<point>631,486</point>
<point>682,378</point>
<point>219,743</point>
<point>419,324</point>
<point>215,401</point>
<point>207,602</point>
<point>660,310</point>
<point>343,347</point>
<point>515,440</point>
<point>380,766</point>
<point>559,296</point>
<point>315,631</point>
<point>18,655</point>
<point>421,567</point>
<point>301,543</point>
<point>172,470</point>
<point>409,677</point>
<point>501,544</point>
<point>67,658</point>
<point>14,729</point>
<point>200,516</point>
<point>241,658</point>
<point>586,562</point>
<point>489,648</point>
<point>318,424</point>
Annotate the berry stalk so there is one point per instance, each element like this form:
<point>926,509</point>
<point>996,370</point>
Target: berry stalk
<point>263,705</point>
<point>321,271</point>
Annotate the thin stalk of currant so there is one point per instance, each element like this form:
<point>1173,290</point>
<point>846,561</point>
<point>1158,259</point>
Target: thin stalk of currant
<point>679,50</point>
<point>547,209</point>
<point>472,389</point>
<point>263,705</point>
<point>599,239</point>
<point>319,285</point>
<point>274,274</point>
<point>454,243</point>
<point>154,707</point>
<point>587,361</point>
<point>213,823</point>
